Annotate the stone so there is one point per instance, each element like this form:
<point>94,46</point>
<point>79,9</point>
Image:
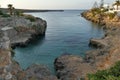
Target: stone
<point>98,43</point>
<point>39,72</point>
<point>69,67</point>
<point>19,31</point>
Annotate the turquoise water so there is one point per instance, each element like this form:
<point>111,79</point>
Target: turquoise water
<point>67,32</point>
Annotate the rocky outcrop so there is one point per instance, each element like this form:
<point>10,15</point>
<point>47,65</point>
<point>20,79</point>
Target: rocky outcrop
<point>8,68</point>
<point>70,67</point>
<point>39,72</point>
<point>108,20</point>
<point>19,31</point>
<point>98,43</point>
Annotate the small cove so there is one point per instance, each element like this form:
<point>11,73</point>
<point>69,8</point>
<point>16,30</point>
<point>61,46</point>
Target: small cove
<point>67,32</point>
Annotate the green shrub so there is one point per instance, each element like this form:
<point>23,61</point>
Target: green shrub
<point>30,17</point>
<point>110,74</point>
<point>96,10</point>
<point>111,15</point>
<point>5,15</point>
<point>19,13</point>
<point>1,13</point>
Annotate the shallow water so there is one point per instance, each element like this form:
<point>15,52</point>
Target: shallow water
<point>67,32</point>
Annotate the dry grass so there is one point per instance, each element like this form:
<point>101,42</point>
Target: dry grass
<point>4,57</point>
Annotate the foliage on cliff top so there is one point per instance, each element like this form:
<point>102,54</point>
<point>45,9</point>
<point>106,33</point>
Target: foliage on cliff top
<point>110,74</point>
<point>30,17</point>
<point>98,10</point>
<point>19,13</point>
<point>4,14</point>
<point>111,15</point>
<point>1,13</point>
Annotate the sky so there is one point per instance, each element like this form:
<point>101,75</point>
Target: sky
<point>51,4</point>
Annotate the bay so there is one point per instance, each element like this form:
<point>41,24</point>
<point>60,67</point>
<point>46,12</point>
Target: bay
<point>67,32</point>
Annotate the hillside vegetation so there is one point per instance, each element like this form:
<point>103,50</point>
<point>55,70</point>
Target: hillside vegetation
<point>110,74</point>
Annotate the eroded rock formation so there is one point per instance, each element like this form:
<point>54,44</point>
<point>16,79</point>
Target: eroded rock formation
<point>19,31</point>
<point>106,54</point>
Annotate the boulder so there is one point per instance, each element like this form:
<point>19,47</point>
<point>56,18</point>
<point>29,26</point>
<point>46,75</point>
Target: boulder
<point>69,67</point>
<point>98,43</point>
<point>39,72</point>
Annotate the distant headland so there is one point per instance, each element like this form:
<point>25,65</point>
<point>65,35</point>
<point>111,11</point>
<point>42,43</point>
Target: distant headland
<point>32,10</point>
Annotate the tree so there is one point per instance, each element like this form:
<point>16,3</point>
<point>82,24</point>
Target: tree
<point>13,10</point>
<point>95,5</point>
<point>101,3</point>
<point>117,3</point>
<point>10,9</point>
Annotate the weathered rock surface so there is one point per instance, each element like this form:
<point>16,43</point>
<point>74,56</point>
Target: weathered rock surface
<point>39,72</point>
<point>98,43</point>
<point>19,31</point>
<point>102,19</point>
<point>70,67</point>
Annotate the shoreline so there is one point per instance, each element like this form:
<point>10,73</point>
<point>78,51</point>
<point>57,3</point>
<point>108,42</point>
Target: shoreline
<point>20,31</point>
<point>68,67</point>
<point>103,57</point>
<point>32,10</point>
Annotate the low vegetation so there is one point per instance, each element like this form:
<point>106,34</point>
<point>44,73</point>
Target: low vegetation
<point>19,13</point>
<point>4,14</point>
<point>1,13</point>
<point>98,10</point>
<point>110,74</point>
<point>103,11</point>
<point>111,15</point>
<point>30,17</point>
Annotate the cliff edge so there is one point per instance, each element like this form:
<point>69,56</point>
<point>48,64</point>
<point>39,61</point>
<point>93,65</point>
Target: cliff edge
<point>106,54</point>
<point>19,31</point>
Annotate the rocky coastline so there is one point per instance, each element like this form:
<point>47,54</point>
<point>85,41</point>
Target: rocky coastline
<point>19,31</point>
<point>106,54</point>
<point>107,20</point>
<point>31,10</point>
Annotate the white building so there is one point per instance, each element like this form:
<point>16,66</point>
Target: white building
<point>106,6</point>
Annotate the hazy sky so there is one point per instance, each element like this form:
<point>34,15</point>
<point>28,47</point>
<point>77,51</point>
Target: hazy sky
<point>52,4</point>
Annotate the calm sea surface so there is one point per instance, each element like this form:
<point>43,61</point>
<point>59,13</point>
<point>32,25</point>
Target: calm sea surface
<point>67,32</point>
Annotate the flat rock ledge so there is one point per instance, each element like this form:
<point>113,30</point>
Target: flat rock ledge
<point>19,31</point>
<point>39,72</point>
<point>70,67</point>
<point>106,54</point>
<point>98,43</point>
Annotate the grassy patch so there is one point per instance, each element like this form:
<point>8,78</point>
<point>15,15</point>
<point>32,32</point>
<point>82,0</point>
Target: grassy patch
<point>1,13</point>
<point>30,17</point>
<point>4,14</point>
<point>110,74</point>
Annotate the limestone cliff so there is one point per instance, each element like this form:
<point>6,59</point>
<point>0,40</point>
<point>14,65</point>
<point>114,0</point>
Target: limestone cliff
<point>106,54</point>
<point>106,19</point>
<point>19,31</point>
